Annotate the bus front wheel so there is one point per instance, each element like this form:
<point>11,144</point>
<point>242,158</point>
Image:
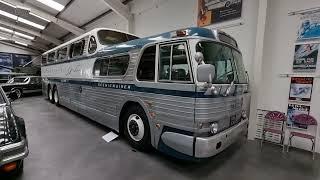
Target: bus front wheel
<point>136,128</point>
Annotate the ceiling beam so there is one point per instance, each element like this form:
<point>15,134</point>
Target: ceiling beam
<point>35,33</point>
<point>118,7</point>
<point>21,47</point>
<point>65,25</point>
<point>31,43</point>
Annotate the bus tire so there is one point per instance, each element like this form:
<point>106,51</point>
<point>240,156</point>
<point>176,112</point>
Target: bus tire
<point>136,128</point>
<point>50,94</point>
<point>55,96</point>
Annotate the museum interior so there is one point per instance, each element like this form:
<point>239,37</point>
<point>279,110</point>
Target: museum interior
<point>159,89</point>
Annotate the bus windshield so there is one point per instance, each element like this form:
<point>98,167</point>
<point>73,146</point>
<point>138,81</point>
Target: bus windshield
<point>227,61</point>
<point>107,37</point>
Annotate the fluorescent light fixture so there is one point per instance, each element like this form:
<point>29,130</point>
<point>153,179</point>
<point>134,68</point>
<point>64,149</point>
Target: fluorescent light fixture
<point>52,4</point>
<point>14,17</point>
<point>35,15</point>
<point>24,35</point>
<point>23,44</point>
<point>6,30</point>
<point>3,38</point>
<point>8,4</point>
<point>16,33</point>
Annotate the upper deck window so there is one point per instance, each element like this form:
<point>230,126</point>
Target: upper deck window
<point>44,59</point>
<point>115,66</point>
<point>107,37</point>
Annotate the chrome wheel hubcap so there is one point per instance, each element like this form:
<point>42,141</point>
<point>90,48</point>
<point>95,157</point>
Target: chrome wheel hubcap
<point>135,127</point>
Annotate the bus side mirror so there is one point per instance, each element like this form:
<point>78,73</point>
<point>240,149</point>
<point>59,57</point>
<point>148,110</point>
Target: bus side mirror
<point>206,73</point>
<point>199,57</point>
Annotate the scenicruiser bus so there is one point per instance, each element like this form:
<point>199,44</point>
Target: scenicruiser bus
<point>183,92</point>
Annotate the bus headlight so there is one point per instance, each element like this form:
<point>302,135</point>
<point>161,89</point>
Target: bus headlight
<point>214,128</point>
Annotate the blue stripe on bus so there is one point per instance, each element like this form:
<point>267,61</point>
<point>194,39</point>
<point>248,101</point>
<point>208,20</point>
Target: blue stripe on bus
<point>132,87</point>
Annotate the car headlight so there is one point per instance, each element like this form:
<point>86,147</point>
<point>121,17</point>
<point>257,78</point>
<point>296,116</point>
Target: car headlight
<point>214,128</point>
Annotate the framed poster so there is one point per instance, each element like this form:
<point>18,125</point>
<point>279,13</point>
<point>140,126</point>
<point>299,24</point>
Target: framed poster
<point>301,89</point>
<point>216,11</point>
<point>296,109</point>
<point>309,27</point>
<point>306,57</point>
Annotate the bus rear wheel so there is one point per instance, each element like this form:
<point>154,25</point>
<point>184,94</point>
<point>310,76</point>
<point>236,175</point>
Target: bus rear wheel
<point>56,96</point>
<point>50,94</point>
<point>136,128</point>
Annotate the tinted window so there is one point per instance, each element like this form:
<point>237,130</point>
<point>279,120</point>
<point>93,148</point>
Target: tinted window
<point>173,64</point>
<point>77,49</point>
<point>62,53</point>
<point>115,66</point>
<point>92,45</point>
<point>107,37</point>
<point>51,56</point>
<point>146,68</point>
<point>44,59</point>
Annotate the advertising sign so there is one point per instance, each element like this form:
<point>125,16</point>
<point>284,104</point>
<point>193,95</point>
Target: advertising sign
<point>310,27</point>
<point>296,109</point>
<point>216,11</point>
<point>306,57</point>
<point>301,89</point>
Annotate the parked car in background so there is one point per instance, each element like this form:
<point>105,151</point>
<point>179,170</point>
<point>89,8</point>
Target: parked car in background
<point>22,85</point>
<point>13,138</point>
<point>6,76</point>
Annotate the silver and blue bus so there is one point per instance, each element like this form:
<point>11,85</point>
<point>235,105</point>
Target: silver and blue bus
<point>183,92</point>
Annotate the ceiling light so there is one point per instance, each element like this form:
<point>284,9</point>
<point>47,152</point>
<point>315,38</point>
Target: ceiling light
<point>14,17</point>
<point>8,4</point>
<point>52,4</point>
<point>23,44</point>
<point>35,15</point>
<point>6,30</point>
<point>3,38</point>
<point>31,23</point>
<point>24,35</point>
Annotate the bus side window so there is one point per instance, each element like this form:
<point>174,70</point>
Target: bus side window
<point>146,68</point>
<point>62,53</point>
<point>115,66</point>
<point>77,48</point>
<point>44,59</point>
<point>92,45</point>
<point>173,64</point>
<point>52,56</point>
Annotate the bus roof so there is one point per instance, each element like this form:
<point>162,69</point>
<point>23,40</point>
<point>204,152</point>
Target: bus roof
<point>139,43</point>
<point>93,31</point>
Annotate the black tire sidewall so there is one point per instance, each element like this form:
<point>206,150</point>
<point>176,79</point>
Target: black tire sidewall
<point>144,144</point>
<point>53,99</point>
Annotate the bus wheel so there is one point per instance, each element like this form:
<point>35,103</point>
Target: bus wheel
<point>56,96</point>
<point>137,129</point>
<point>50,95</point>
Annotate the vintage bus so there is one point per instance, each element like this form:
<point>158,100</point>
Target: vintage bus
<point>182,92</point>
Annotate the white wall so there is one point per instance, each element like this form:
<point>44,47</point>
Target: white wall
<point>278,56</point>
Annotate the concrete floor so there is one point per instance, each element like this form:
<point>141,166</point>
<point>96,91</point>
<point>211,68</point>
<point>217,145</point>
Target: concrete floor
<point>67,146</point>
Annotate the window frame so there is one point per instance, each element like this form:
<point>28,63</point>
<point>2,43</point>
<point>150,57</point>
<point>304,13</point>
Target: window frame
<point>72,45</point>
<point>155,62</point>
<point>108,58</point>
<point>66,56</point>
<point>186,47</point>
<point>54,59</point>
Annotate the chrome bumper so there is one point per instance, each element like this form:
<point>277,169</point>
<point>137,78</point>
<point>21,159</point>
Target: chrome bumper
<point>204,147</point>
<point>210,146</point>
<point>13,152</point>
